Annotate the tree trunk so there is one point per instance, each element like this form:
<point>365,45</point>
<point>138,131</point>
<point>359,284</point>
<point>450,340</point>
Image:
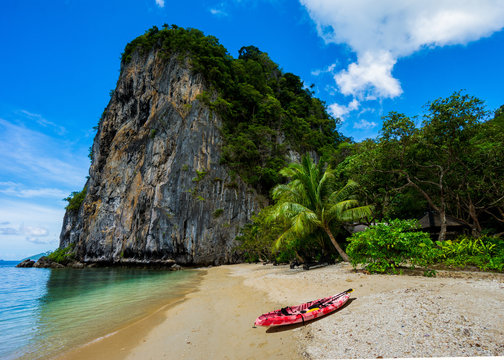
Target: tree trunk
<point>476,228</point>
<point>442,219</point>
<point>442,209</point>
<point>343,255</point>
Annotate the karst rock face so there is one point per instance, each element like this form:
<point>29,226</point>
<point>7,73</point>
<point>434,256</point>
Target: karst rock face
<point>157,192</point>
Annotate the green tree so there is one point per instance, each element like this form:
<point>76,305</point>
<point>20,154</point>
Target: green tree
<point>310,201</point>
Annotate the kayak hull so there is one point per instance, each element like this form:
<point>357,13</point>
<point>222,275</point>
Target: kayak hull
<point>304,312</point>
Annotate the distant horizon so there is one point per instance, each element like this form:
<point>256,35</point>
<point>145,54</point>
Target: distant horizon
<point>364,58</point>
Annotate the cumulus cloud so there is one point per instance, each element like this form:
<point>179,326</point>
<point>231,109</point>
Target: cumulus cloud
<point>34,231</point>
<point>29,231</point>
<point>381,32</point>
<point>364,124</point>
<point>160,3</point>
<point>339,111</point>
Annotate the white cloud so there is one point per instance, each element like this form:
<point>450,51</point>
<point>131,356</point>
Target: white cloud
<point>328,69</point>
<point>31,228</point>
<point>39,241</point>
<point>364,124</point>
<point>9,231</point>
<point>381,32</point>
<point>339,111</point>
<point>219,10</point>
<point>371,77</point>
<point>19,190</point>
<point>160,3</point>
<point>29,231</point>
<point>60,130</point>
<point>36,231</point>
<point>32,155</point>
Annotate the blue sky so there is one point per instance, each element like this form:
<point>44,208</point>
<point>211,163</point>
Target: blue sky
<point>60,59</point>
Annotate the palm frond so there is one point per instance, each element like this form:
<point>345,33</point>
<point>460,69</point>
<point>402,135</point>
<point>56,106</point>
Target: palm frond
<point>344,193</point>
<point>335,211</point>
<point>357,213</point>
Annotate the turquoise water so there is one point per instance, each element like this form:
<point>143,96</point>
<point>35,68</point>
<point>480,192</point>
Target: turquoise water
<point>44,312</point>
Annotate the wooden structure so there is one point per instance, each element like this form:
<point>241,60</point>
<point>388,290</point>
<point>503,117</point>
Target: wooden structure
<point>431,223</point>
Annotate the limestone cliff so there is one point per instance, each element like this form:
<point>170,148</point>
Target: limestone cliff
<point>156,191</point>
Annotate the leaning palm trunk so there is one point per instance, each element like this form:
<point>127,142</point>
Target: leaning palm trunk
<point>343,254</point>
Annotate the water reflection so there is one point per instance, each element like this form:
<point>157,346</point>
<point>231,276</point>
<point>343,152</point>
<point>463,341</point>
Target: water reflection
<point>79,305</point>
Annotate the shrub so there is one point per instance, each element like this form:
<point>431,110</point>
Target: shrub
<point>62,255</point>
<point>487,253</point>
<point>200,175</point>
<point>384,247</point>
<point>76,199</point>
<point>217,213</point>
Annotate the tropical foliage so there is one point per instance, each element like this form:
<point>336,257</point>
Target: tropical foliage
<point>385,247</point>
<point>311,201</point>
<point>75,199</point>
<point>487,253</point>
<point>452,164</point>
<point>62,255</point>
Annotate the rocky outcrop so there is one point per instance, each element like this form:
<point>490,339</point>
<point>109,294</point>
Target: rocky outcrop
<point>45,262</point>
<point>157,192</point>
<point>26,264</point>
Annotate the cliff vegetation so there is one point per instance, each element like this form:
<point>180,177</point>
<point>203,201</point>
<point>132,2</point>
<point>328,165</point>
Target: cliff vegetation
<point>266,112</point>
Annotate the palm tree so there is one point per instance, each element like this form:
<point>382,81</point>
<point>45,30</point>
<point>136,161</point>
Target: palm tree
<point>310,201</point>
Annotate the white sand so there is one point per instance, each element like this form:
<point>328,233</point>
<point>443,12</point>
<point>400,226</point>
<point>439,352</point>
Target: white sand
<point>455,314</point>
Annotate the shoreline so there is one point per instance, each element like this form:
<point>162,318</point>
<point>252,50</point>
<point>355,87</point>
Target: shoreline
<point>454,314</point>
<point>119,342</point>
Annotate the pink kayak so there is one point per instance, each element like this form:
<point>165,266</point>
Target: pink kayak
<point>304,312</point>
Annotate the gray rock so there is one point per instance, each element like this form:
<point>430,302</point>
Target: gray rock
<point>45,262</point>
<point>55,265</point>
<point>156,180</point>
<point>26,264</point>
<point>76,265</point>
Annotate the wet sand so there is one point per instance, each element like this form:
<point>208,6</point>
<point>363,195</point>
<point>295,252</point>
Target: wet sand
<point>214,322</point>
<point>454,314</point>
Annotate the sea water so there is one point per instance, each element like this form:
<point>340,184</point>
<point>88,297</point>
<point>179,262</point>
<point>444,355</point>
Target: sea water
<point>45,312</point>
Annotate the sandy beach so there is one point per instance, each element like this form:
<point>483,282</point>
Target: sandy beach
<point>454,314</point>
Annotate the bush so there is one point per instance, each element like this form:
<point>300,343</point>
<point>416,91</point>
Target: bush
<point>487,253</point>
<point>384,247</point>
<point>62,255</point>
<point>76,199</point>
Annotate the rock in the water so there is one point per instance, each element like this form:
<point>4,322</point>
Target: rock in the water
<point>26,263</point>
<point>45,262</point>
<point>76,265</point>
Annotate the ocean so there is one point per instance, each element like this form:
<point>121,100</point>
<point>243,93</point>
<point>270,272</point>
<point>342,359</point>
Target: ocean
<point>45,312</point>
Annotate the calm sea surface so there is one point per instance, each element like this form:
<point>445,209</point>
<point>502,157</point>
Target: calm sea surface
<point>44,312</point>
